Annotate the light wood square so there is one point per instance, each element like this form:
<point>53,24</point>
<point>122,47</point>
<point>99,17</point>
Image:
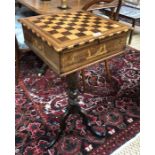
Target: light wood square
<point>72,37</point>
<point>61,30</point>
<point>115,25</point>
<point>64,26</point>
<point>103,29</point>
<point>74,31</point>
<point>67,22</point>
<point>77,26</point>
<point>90,28</point>
<point>55,21</point>
<point>57,35</point>
<point>69,19</point>
<point>52,25</point>
<point>79,23</point>
<point>47,29</point>
<point>88,32</point>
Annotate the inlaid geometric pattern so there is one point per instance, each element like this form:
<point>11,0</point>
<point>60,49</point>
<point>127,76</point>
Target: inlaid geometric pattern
<point>71,26</point>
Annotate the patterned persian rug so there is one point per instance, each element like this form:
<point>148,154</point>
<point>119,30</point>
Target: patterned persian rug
<point>41,104</point>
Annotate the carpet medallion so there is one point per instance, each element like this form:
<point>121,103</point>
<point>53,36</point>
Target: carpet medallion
<point>41,104</point>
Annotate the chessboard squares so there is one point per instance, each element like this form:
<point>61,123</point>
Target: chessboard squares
<point>57,35</point>
<point>69,18</point>
<point>69,37</point>
<point>81,29</point>
<point>80,34</point>
<point>115,25</point>
<point>61,30</point>
<point>78,23</point>
<point>64,26</point>
<point>47,21</point>
<point>72,37</point>
<point>77,27</point>
<point>59,18</point>
<point>90,28</point>
<point>67,22</point>
<point>91,24</point>
<point>79,19</point>
<point>72,24</point>
<point>53,32</point>
<point>75,31</point>
<point>69,28</point>
<point>56,22</point>
<point>84,25</point>
<point>88,33</point>
<point>102,29</point>
<point>66,33</point>
<point>52,25</point>
<point>56,27</point>
<point>109,27</point>
<point>97,22</point>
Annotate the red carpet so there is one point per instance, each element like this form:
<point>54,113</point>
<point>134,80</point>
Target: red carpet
<point>41,103</point>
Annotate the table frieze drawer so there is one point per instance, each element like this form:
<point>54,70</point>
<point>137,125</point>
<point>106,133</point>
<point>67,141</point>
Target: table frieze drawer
<point>95,52</point>
<point>71,60</point>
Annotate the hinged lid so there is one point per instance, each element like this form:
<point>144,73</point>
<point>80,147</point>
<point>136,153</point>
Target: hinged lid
<point>67,30</point>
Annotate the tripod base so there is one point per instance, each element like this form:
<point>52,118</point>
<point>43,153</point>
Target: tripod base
<point>74,108</point>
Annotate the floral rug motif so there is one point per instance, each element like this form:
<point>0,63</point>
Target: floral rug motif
<point>41,103</point>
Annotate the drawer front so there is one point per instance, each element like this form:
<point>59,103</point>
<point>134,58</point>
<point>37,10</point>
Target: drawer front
<point>85,56</point>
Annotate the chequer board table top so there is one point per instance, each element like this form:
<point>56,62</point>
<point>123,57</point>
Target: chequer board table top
<point>67,30</point>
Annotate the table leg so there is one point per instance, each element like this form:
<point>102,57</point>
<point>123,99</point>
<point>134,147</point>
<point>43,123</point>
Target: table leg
<point>107,69</point>
<point>73,107</point>
<point>131,33</point>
